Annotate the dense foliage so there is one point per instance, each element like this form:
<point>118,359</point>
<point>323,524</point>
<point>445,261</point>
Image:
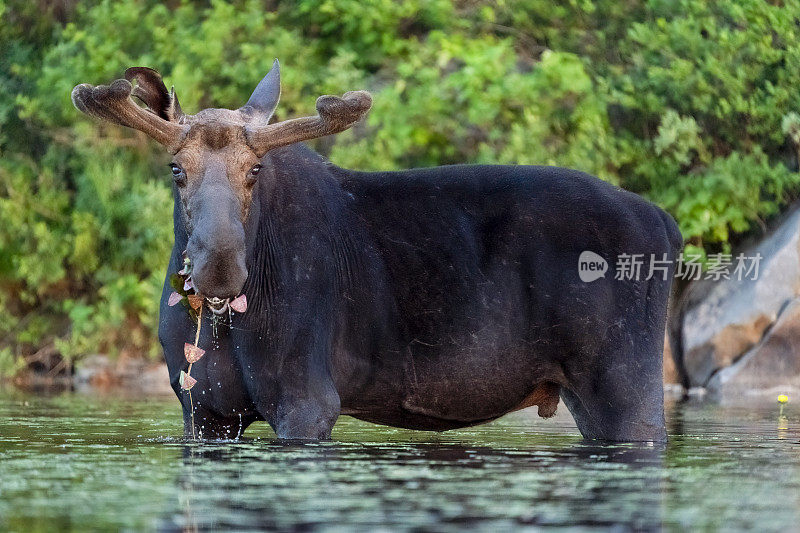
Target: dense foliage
<point>693,104</point>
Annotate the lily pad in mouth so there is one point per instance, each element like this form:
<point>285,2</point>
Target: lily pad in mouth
<point>239,304</point>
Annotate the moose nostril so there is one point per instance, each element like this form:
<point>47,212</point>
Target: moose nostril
<point>219,279</point>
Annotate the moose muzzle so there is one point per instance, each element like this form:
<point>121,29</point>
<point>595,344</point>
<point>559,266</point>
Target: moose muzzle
<point>216,245</point>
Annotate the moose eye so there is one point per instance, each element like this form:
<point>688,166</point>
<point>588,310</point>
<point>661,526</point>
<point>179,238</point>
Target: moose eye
<point>177,174</point>
<point>252,174</point>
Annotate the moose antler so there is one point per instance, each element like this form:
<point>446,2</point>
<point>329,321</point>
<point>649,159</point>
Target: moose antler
<point>334,115</point>
<point>151,90</point>
<point>164,121</point>
<point>113,103</point>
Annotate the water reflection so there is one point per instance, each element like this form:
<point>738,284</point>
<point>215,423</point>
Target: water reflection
<point>73,462</point>
<point>272,485</point>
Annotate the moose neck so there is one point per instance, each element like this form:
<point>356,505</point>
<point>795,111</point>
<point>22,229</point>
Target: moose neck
<point>299,205</point>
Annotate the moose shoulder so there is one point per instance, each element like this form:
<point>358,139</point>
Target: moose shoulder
<point>430,299</point>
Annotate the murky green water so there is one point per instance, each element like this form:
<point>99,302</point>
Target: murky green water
<point>100,463</point>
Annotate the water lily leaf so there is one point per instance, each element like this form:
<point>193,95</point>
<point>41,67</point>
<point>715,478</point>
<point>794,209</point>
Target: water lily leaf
<point>193,353</point>
<point>195,301</point>
<point>174,298</point>
<point>176,282</point>
<point>187,266</point>
<point>239,304</point>
<point>187,381</point>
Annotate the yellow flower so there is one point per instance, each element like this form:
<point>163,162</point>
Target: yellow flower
<point>783,398</point>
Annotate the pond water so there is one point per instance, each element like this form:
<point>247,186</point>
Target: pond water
<point>76,462</point>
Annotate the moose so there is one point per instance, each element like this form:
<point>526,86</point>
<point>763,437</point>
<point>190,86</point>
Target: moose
<point>430,299</point>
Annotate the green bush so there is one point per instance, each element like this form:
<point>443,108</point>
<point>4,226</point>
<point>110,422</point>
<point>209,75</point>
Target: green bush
<point>692,104</point>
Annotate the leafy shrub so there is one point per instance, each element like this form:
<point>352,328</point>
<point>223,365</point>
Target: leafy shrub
<point>690,103</point>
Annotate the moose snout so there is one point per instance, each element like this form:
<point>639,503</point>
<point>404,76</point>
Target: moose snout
<point>218,267</point>
<point>219,278</point>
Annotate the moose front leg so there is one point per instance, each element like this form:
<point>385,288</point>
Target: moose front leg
<point>292,387</point>
<point>300,406</point>
<point>307,414</point>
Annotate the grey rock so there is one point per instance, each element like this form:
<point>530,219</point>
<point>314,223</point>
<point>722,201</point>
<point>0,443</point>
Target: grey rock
<point>770,368</point>
<point>724,319</point>
<point>671,376</point>
<point>130,375</point>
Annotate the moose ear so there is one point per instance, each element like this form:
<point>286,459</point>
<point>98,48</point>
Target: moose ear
<point>151,90</point>
<point>265,98</point>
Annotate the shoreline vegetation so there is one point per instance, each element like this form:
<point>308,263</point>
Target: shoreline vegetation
<point>691,104</point>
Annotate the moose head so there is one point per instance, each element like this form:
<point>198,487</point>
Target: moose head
<point>217,159</point>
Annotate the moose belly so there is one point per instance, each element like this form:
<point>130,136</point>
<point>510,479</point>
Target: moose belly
<point>469,388</point>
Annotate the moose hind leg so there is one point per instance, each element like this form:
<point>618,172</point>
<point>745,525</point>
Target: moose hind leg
<point>620,397</point>
<point>609,410</point>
